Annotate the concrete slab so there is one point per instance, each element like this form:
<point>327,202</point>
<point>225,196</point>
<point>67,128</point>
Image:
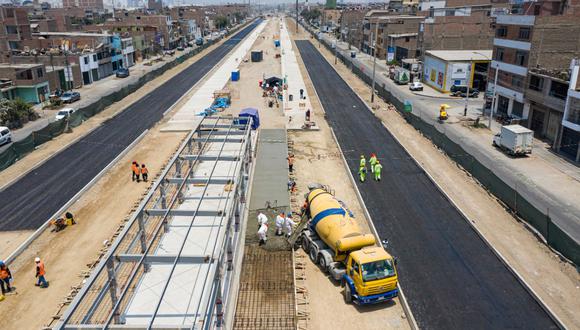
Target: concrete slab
<point>270,185</point>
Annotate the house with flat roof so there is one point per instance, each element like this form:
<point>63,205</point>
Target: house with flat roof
<point>25,81</point>
<point>445,68</point>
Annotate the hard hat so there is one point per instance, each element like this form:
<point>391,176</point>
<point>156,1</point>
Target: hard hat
<point>1,263</point>
<point>37,259</point>
<point>289,214</point>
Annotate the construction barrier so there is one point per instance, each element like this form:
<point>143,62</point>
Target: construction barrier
<point>541,222</point>
<point>21,148</point>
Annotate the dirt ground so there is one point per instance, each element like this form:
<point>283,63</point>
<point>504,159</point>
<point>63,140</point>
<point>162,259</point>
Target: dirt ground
<point>556,282</point>
<point>100,212</point>
<point>318,160</point>
<point>9,241</point>
<point>246,93</point>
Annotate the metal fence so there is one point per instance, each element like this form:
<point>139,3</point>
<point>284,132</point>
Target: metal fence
<point>543,222</point>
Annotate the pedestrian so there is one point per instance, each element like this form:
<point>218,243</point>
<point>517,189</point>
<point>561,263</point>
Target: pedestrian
<point>5,277</point>
<point>135,171</point>
<point>290,159</point>
<point>378,169</point>
<point>307,115</point>
<point>280,220</point>
<point>291,185</point>
<point>362,172</point>
<point>144,172</point>
<point>363,161</point>
<point>263,234</point>
<point>262,219</point>
<point>373,160</point>
<point>302,94</point>
<point>289,224</point>
<point>40,272</point>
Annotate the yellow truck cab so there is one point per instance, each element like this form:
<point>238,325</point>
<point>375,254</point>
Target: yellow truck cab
<point>371,276</point>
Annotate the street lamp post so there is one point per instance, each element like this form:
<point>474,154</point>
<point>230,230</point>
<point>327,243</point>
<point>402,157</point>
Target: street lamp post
<point>374,48</point>
<point>493,100</point>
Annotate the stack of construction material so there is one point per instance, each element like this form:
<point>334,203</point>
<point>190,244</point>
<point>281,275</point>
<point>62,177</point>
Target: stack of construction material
<point>257,55</point>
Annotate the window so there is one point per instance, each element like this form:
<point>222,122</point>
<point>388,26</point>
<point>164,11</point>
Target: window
<point>39,73</point>
<point>94,57</point>
<point>536,83</point>
<point>450,12</point>
<point>501,31</point>
<point>518,109</point>
<point>558,90</point>
<point>499,54</point>
<point>24,75</point>
<point>9,12</point>
<point>355,266</point>
<point>13,44</point>
<point>11,29</point>
<point>537,9</point>
<point>517,81</point>
<point>86,59</point>
<point>521,57</point>
<point>524,33</point>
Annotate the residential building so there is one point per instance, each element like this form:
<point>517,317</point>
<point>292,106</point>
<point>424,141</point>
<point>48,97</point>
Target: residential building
<point>26,81</point>
<point>351,25</point>
<point>445,68</point>
<point>84,4</point>
<point>14,28</point>
<point>395,36</point>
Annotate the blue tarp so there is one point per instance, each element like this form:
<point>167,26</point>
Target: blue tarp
<point>251,112</point>
<point>220,102</point>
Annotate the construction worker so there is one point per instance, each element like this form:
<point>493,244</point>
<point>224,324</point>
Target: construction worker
<point>262,219</point>
<point>40,272</point>
<point>362,172</point>
<point>307,115</point>
<point>280,220</point>
<point>378,169</point>
<point>144,172</point>
<point>363,161</point>
<point>135,171</point>
<point>289,224</point>
<point>59,224</point>
<point>69,219</point>
<point>373,160</point>
<point>263,234</point>
<point>290,159</point>
<point>5,277</point>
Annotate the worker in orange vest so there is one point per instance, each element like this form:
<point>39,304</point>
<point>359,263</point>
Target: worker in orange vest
<point>40,272</point>
<point>5,277</point>
<point>144,172</point>
<point>135,171</point>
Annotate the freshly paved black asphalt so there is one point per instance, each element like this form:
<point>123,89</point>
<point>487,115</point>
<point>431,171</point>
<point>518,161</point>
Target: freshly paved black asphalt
<point>33,199</point>
<point>450,276</point>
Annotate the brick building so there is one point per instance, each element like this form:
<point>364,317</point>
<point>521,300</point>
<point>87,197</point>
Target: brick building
<point>25,81</point>
<point>351,25</point>
<point>14,28</point>
<point>84,4</point>
<point>396,36</point>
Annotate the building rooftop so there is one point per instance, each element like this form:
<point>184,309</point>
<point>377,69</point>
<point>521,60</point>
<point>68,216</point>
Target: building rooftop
<point>461,55</point>
<point>73,34</point>
<point>19,66</point>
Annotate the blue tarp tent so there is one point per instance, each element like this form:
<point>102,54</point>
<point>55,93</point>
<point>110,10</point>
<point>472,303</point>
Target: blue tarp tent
<point>250,112</point>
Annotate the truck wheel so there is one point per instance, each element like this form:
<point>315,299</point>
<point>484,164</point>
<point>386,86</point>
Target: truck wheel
<point>322,261</point>
<point>347,294</point>
<point>313,255</point>
<point>305,244</point>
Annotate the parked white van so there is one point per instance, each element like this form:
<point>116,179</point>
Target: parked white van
<point>5,135</point>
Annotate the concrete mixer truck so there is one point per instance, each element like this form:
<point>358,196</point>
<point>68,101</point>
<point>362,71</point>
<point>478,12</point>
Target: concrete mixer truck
<point>333,239</point>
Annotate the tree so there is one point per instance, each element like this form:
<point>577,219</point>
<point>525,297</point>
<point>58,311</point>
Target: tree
<point>311,15</point>
<point>13,113</point>
<point>221,22</point>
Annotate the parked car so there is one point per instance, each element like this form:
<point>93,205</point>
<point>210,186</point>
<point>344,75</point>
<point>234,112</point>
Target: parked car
<point>122,73</point>
<point>458,90</point>
<point>70,97</point>
<point>5,135</point>
<point>416,86</point>
<point>180,48</point>
<point>64,113</point>
<point>170,52</point>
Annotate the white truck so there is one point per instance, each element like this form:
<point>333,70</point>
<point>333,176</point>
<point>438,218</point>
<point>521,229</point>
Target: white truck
<point>516,140</point>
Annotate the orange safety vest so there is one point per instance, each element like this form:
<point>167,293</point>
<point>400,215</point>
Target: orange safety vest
<point>135,169</point>
<point>40,267</point>
<point>144,170</point>
<point>4,273</point>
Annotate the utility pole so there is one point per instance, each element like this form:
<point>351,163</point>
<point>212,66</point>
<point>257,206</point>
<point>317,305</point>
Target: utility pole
<point>467,95</point>
<point>493,101</point>
<point>374,48</point>
<point>296,17</point>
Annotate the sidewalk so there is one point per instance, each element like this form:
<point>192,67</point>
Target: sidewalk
<point>544,179</point>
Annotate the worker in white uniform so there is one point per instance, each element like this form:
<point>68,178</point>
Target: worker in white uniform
<point>263,234</point>
<point>280,223</point>
<point>262,219</point>
<point>289,224</point>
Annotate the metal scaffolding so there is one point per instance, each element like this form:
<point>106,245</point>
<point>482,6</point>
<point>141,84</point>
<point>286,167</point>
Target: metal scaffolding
<point>172,266</point>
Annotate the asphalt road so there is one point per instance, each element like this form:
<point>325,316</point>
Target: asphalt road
<point>451,278</point>
<point>33,199</point>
